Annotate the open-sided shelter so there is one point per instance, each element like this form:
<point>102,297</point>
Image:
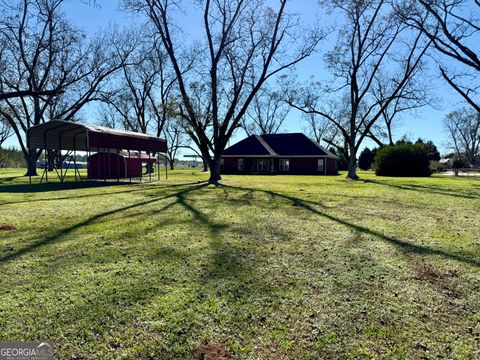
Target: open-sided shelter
<point>111,153</point>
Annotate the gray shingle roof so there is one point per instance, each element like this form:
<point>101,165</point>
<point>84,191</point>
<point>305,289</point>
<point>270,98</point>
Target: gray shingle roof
<point>277,145</point>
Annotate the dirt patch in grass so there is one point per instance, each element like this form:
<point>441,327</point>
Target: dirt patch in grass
<point>6,227</point>
<point>212,350</point>
<point>428,273</point>
<point>442,280</point>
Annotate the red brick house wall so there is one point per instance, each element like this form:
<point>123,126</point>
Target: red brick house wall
<point>298,166</point>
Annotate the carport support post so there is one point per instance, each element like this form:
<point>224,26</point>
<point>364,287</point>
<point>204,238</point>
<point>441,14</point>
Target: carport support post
<point>46,163</point>
<point>141,165</point>
<point>158,166</point>
<point>166,168</point>
<point>61,159</point>
<point>104,168</point>
<point>99,166</point>
<point>118,165</point>
<point>129,167</point>
<point>75,162</point>
<point>149,168</point>
<point>87,154</point>
<point>89,171</point>
<point>75,156</point>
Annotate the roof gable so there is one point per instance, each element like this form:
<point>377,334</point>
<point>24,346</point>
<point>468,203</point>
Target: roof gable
<point>295,144</point>
<point>277,145</point>
<point>248,147</point>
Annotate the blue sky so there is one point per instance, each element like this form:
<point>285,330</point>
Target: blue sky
<point>426,123</point>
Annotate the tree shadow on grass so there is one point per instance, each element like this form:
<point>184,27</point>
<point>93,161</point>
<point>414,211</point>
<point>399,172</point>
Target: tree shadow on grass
<point>63,232</point>
<point>428,189</point>
<point>225,276</point>
<point>48,187</point>
<point>9,179</point>
<point>131,190</point>
<point>404,245</point>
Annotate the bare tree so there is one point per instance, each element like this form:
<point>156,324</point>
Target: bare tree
<point>245,43</point>
<point>43,51</point>
<point>463,127</point>
<point>372,40</point>
<point>4,94</point>
<point>142,99</point>
<point>176,139</point>
<point>266,114</point>
<point>5,131</point>
<point>413,96</point>
<point>453,26</point>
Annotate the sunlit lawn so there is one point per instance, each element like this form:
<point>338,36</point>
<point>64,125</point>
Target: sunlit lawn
<point>272,267</point>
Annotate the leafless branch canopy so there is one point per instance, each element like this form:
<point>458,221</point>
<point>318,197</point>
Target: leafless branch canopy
<point>373,65</point>
<point>266,114</point>
<point>453,26</point>
<point>245,43</point>
<point>463,128</point>
<point>41,50</point>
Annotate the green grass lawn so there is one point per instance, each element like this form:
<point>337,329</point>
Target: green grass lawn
<point>261,267</point>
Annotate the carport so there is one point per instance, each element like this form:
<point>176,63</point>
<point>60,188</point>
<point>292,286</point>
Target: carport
<point>115,153</point>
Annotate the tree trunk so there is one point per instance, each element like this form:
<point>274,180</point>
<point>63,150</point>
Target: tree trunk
<point>172,166</point>
<point>215,176</point>
<point>31,160</point>
<point>51,160</point>
<point>205,164</point>
<point>352,166</point>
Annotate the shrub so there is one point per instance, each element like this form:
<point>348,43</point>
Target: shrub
<point>430,148</point>
<point>402,160</point>
<point>365,160</point>
<point>437,167</point>
<point>459,162</point>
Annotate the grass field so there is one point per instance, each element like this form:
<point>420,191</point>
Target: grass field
<point>285,267</point>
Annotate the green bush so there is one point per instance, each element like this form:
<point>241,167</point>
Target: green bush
<point>402,160</point>
<point>365,160</point>
<point>459,162</point>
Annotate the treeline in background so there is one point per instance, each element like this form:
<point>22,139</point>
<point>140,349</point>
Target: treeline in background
<point>11,158</point>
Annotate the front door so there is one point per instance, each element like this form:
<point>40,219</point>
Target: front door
<point>272,166</point>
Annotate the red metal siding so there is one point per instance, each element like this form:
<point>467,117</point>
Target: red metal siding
<point>114,166</point>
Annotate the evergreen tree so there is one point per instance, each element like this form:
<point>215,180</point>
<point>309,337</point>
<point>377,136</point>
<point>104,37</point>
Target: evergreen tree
<point>365,160</point>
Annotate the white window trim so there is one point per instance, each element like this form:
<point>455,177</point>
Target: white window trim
<point>285,167</point>
<point>257,165</point>
<point>322,169</point>
<point>238,164</point>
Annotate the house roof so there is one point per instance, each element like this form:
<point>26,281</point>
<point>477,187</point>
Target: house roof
<point>64,135</point>
<point>278,145</point>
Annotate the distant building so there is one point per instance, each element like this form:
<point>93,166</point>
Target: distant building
<point>292,153</point>
<point>446,161</point>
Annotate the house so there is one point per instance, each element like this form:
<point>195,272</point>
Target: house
<point>292,153</point>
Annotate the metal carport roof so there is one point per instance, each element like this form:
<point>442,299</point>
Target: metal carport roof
<point>63,135</point>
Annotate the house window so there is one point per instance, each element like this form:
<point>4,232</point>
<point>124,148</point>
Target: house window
<point>261,165</point>
<point>321,165</point>
<point>240,165</point>
<point>284,165</point>
<point>222,164</point>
